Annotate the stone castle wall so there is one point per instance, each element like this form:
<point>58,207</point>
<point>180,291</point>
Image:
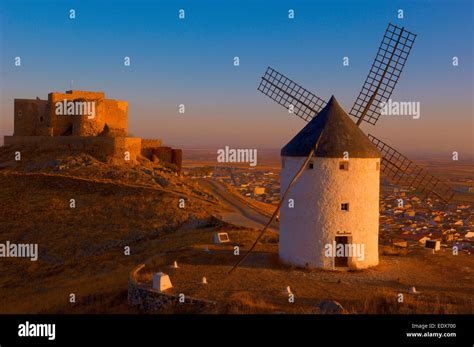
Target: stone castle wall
<point>37,123</point>
<point>117,117</point>
<point>153,150</point>
<point>39,117</point>
<point>80,125</point>
<point>28,116</point>
<point>148,145</point>
<point>100,147</point>
<point>148,299</point>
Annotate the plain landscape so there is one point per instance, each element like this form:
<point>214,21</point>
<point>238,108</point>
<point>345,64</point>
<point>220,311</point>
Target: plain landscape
<point>82,249</point>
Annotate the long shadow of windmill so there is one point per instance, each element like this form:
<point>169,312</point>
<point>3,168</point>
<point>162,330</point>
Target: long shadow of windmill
<point>327,145</point>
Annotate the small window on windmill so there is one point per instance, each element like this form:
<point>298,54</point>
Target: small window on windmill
<point>20,113</point>
<point>41,118</point>
<point>311,166</point>
<point>345,206</point>
<point>344,165</point>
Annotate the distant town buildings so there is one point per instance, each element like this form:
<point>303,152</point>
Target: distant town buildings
<point>255,184</point>
<point>406,218</point>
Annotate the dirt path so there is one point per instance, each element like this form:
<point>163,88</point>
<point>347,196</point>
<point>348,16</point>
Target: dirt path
<point>239,212</point>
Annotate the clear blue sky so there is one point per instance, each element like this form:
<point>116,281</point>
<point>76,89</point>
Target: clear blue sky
<point>191,62</point>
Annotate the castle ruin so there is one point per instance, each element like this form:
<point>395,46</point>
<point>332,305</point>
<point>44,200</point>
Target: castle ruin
<point>84,121</point>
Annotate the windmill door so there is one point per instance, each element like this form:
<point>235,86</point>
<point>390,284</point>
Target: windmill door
<point>338,260</point>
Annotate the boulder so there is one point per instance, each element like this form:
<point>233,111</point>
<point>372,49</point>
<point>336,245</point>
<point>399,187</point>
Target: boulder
<point>330,307</point>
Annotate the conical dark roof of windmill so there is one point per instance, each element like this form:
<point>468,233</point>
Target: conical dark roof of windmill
<point>340,135</point>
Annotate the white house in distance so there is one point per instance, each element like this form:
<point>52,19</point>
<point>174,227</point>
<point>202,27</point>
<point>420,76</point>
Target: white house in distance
<point>336,199</point>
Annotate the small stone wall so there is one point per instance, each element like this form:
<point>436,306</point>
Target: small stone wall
<point>147,147</point>
<point>148,143</point>
<point>147,299</point>
<point>153,150</point>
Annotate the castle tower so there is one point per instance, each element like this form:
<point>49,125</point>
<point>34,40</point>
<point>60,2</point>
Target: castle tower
<point>335,202</point>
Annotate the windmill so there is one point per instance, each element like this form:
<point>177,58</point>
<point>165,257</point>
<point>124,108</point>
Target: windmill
<point>383,76</point>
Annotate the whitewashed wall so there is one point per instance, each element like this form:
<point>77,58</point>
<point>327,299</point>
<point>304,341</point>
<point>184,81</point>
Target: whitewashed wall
<point>317,217</point>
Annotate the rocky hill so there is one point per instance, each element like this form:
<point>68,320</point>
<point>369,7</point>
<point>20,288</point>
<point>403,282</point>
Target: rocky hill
<point>83,243</point>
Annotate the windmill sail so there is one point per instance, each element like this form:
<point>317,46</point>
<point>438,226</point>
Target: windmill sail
<point>384,74</point>
<point>378,87</point>
<point>290,95</point>
<point>404,172</point>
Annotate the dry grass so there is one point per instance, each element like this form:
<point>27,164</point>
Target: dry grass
<point>81,249</point>
<point>385,301</point>
<point>246,303</point>
<point>259,285</point>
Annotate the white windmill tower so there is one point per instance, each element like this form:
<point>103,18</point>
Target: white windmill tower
<point>331,168</point>
<point>336,199</point>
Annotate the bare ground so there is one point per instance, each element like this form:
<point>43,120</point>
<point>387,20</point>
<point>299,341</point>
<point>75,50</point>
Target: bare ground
<point>82,248</point>
<point>444,281</point>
